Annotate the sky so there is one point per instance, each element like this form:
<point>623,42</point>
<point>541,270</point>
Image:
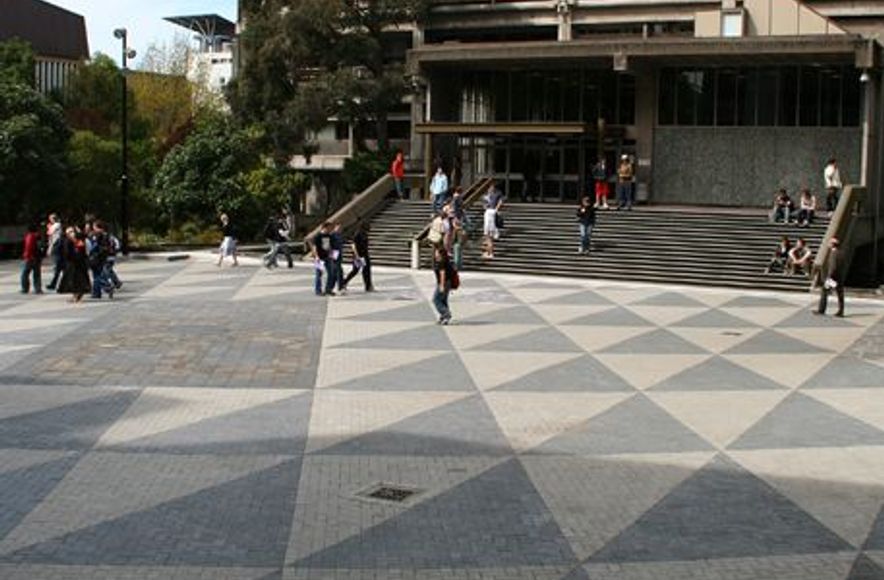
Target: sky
<point>143,20</point>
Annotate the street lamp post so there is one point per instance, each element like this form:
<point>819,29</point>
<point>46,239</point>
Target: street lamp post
<point>120,33</point>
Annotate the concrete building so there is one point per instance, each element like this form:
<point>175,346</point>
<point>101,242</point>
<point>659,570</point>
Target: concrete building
<point>57,36</point>
<point>211,59</point>
<point>719,101</point>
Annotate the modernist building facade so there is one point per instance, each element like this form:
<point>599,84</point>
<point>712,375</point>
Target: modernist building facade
<point>720,102</point>
<point>57,36</point>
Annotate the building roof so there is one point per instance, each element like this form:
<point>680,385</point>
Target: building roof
<point>51,31</point>
<point>209,25</point>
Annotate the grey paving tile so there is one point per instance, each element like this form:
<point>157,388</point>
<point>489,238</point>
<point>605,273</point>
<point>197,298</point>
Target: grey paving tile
<point>848,373</point>
<point>583,374</point>
<point>716,374</point>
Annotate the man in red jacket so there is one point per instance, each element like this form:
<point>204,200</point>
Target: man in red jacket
<point>32,259</point>
<point>397,170</point>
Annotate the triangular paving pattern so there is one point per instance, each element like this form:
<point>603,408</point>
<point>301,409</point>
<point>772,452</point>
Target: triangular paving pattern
<point>529,419</point>
<point>583,374</point>
<point>670,299</point>
<point>636,425</point>
<point>713,319</point>
<point>339,365</point>
<point>835,339</point>
<point>465,336</point>
<point>257,292</point>
<point>190,530</point>
<point>758,302</point>
<point>829,566</point>
<point>76,425</point>
<point>759,316</point>
<point>839,487</point>
<point>278,427</point>
<point>659,341</point>
<point>594,499</point>
<point>490,369</point>
<point>597,338</point>
<point>444,372</point>
<point>665,316</point>
<point>320,473</point>
<point>618,316</point>
<point>800,421</point>
<point>807,318</point>
<point>722,511</point>
<point>583,298</point>
<point>482,528</point>
<point>417,310</point>
<point>786,369</point>
<point>644,370</point>
<point>704,413</point>
<point>866,569</point>
<point>716,374</point>
<point>344,332</point>
<point>715,339</point>
<point>772,342</point>
<point>461,428</point>
<point>21,490</point>
<point>558,315</point>
<point>861,404</point>
<point>174,291</point>
<point>546,339</point>
<point>511,315</point>
<point>20,325</point>
<point>875,541</point>
<point>845,373</point>
<point>423,338</point>
<point>341,415</point>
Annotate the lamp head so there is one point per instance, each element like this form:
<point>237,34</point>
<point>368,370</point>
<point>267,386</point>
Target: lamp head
<point>131,53</point>
<point>120,33</point>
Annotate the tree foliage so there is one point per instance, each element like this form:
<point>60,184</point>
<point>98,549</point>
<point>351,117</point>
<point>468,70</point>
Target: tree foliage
<point>308,60</point>
<point>33,137</point>
<point>17,62</point>
<point>92,100</point>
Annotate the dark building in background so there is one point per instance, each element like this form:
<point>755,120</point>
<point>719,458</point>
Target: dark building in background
<point>57,36</point>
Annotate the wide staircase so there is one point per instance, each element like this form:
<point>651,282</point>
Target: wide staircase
<point>706,247</point>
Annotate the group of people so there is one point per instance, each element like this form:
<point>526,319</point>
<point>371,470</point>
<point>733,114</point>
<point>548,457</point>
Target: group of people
<point>625,183</point>
<point>77,253</point>
<point>797,259</point>
<point>786,211</point>
<point>327,250</point>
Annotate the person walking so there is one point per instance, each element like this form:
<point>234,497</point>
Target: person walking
<point>625,178</point>
<point>75,277</point>
<point>274,240</point>
<point>32,260</point>
<point>493,202</point>
<point>832,179</point>
<point>586,220</point>
<point>361,258</point>
<point>445,275</point>
<point>439,189</point>
<point>228,242</point>
<point>397,171</point>
<point>98,250</point>
<point>337,255</point>
<point>834,280</point>
<point>602,187</point>
<point>322,252</point>
<point>54,237</point>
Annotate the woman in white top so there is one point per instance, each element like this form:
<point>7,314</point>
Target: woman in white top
<point>806,208</point>
<point>832,177</point>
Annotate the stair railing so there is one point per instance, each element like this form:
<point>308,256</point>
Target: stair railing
<point>840,227</point>
<point>473,193</point>
<point>364,205</point>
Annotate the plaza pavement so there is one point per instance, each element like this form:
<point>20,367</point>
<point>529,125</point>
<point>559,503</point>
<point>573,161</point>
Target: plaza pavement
<point>230,425</point>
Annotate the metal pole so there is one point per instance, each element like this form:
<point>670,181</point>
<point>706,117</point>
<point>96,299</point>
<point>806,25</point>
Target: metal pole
<point>124,175</point>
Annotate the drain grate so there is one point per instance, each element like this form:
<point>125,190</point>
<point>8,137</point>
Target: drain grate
<point>389,493</point>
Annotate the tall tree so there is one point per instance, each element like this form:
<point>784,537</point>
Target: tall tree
<point>17,62</point>
<point>92,101</point>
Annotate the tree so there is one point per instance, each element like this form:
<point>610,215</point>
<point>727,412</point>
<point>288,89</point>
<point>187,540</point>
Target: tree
<point>162,102</point>
<point>167,58</point>
<point>205,174</point>
<point>33,137</point>
<point>94,174</point>
<point>93,99</point>
<point>17,62</point>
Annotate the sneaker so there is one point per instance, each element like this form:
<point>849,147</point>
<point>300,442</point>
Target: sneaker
<point>118,285</point>
<point>445,320</point>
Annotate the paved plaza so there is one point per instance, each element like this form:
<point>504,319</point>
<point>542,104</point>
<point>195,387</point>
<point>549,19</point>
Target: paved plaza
<point>229,424</point>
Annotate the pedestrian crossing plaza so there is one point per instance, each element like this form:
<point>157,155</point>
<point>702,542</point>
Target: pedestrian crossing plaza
<point>228,423</point>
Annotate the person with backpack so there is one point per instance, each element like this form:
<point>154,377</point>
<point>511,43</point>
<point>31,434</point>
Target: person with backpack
<point>586,219</point>
<point>447,279</point>
<point>32,259</point>
<point>98,249</point>
<point>110,265</point>
<point>321,245</point>
<point>439,229</point>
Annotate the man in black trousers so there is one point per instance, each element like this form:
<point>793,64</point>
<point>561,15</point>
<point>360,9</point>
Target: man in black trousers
<point>834,280</point>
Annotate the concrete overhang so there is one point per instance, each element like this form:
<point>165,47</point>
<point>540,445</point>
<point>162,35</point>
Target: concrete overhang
<point>747,50</point>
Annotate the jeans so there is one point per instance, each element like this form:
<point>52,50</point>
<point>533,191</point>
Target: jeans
<point>400,190</point>
<point>57,269</point>
<point>440,301</point>
<point>31,269</point>
<point>438,201</point>
<point>366,274</point>
<point>805,215</point>
<point>624,194</point>
<point>329,266</point>
<point>585,236</point>
<point>100,280</point>
<point>783,214</point>
<point>270,257</point>
<point>339,271</point>
<point>111,275</point>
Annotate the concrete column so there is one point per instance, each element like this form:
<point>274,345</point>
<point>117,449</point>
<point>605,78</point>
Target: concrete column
<point>870,92</point>
<point>645,117</point>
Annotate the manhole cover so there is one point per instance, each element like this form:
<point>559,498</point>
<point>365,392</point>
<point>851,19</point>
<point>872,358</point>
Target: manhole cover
<point>388,492</point>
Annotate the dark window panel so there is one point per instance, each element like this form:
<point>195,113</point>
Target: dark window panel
<point>726,98</point>
<point>850,104</point>
<point>768,96</point>
<point>626,108</point>
<point>809,97</point>
<point>830,97</point>
<point>666,91</point>
<point>519,96</point>
<point>788,96</point>
<point>747,92</point>
<point>686,100</point>
<point>705,96</point>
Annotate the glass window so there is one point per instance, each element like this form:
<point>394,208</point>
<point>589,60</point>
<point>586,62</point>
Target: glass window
<point>732,24</point>
<point>726,98</point>
<point>342,131</point>
<point>788,96</point>
<point>519,85</point>
<point>500,91</point>
<point>747,89</point>
<point>591,110</point>
<point>688,81</point>
<point>552,97</point>
<point>768,95</point>
<point>571,93</point>
<point>830,97</point>
<point>535,97</point>
<point>705,97</point>
<point>608,96</point>
<point>850,105</point>
<point>666,96</point>
<point>809,97</point>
